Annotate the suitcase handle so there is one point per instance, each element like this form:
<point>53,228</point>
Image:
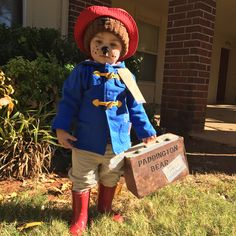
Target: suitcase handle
<point>146,145</point>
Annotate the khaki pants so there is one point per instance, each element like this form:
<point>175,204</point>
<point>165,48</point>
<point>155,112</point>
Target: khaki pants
<point>89,168</point>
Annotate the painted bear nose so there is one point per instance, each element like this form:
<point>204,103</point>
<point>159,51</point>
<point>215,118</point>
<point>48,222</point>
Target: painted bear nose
<point>105,50</point>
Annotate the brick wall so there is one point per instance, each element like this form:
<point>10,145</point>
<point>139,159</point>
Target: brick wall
<point>76,6</point>
<point>187,64</point>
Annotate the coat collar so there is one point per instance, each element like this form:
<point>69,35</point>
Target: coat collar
<point>104,66</point>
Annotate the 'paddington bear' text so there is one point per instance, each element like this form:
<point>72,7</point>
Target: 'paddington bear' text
<point>156,156</point>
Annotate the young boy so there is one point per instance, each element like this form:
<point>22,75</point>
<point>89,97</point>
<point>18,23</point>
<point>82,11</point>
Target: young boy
<point>99,107</point>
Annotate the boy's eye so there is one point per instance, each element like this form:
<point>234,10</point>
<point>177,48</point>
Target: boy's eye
<point>98,41</point>
<point>114,45</point>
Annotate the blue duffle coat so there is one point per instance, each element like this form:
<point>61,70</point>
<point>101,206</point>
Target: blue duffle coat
<point>92,125</point>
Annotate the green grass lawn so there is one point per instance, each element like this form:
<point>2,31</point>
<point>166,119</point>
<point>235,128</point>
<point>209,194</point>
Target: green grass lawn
<point>199,205</point>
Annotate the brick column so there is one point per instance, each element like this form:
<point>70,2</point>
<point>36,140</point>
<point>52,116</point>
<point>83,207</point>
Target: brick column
<point>187,64</point>
<point>76,6</point>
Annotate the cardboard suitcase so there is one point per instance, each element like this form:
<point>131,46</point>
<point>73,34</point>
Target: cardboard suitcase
<point>148,168</point>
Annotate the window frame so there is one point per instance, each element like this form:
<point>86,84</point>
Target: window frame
<point>150,52</point>
<point>14,10</point>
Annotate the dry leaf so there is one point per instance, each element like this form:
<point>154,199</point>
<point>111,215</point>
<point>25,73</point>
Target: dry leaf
<point>55,191</point>
<point>12,195</point>
<point>65,186</point>
<point>7,101</point>
<point>118,189</point>
<point>29,225</point>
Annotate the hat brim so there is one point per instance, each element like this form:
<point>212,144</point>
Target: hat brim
<point>88,15</point>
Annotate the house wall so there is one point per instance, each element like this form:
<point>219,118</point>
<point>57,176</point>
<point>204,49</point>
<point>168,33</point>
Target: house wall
<point>231,82</point>
<point>224,37</point>
<point>76,6</point>
<point>46,14</point>
<point>187,64</point>
<point>223,41</point>
<point>155,13</point>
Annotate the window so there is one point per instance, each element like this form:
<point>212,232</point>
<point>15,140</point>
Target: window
<point>148,49</point>
<point>147,67</point>
<point>11,12</point>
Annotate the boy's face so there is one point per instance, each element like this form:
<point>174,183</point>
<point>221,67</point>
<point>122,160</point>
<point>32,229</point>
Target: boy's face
<point>105,47</point>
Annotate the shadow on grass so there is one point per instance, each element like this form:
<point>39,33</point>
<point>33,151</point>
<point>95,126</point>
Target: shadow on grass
<point>22,213</point>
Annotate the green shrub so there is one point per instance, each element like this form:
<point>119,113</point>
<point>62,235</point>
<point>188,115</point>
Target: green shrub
<point>30,42</point>
<point>36,82</point>
<point>6,91</point>
<point>152,110</point>
<point>25,139</point>
<point>25,145</point>
<point>133,64</point>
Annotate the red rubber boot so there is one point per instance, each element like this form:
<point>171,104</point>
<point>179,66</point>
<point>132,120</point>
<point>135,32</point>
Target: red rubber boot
<point>80,202</point>
<point>105,197</point>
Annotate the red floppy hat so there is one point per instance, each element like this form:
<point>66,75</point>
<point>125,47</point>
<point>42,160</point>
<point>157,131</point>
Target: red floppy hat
<point>88,15</point>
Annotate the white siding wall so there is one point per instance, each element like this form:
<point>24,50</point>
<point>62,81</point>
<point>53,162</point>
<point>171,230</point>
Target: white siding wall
<point>46,14</point>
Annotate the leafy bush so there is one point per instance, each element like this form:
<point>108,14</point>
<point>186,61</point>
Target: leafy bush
<point>24,138</point>
<point>31,42</point>
<point>36,82</point>
<point>6,90</point>
<point>133,63</point>
<point>152,110</point>
<point>25,145</point>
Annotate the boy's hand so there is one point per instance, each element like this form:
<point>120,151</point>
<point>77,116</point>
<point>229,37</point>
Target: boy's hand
<point>64,138</point>
<point>149,140</point>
